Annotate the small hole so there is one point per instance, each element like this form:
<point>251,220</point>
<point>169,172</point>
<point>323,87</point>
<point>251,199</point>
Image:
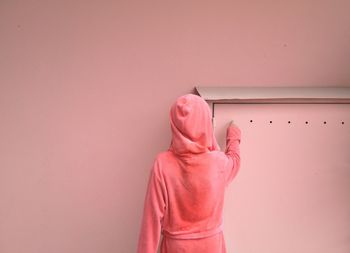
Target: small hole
<point>306,122</point>
<point>270,121</point>
<point>251,120</point>
<point>288,121</point>
<point>324,122</point>
<point>342,122</point>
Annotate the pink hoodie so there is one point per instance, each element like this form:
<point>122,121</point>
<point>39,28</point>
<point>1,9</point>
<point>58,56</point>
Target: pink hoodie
<point>185,194</point>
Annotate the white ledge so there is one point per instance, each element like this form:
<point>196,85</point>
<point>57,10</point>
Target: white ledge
<point>310,95</point>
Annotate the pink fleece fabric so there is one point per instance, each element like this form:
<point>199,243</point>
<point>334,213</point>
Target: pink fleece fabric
<point>185,195</point>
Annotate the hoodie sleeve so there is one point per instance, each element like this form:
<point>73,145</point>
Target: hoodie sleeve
<point>232,151</point>
<point>153,212</point>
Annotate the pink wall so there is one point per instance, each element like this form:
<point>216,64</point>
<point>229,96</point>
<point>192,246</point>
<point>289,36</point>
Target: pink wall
<point>86,87</point>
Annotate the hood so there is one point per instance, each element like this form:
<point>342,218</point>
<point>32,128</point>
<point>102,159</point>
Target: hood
<point>191,126</point>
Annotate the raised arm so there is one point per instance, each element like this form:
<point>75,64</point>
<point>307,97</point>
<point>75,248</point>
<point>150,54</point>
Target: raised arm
<point>232,151</point>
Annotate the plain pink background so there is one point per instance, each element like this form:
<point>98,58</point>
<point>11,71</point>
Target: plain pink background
<point>86,87</point>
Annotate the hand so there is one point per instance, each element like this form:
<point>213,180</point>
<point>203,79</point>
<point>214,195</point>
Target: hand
<point>232,123</point>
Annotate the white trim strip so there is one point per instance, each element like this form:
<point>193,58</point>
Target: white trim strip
<point>275,94</point>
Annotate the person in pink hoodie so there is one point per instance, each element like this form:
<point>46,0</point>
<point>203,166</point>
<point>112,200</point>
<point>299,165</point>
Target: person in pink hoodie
<point>185,194</point>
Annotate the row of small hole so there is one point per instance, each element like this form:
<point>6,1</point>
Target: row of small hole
<point>306,122</point>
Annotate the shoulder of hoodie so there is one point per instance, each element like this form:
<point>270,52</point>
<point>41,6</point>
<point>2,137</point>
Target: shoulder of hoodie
<point>163,158</point>
<point>159,160</point>
<point>168,156</point>
<point>219,155</point>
